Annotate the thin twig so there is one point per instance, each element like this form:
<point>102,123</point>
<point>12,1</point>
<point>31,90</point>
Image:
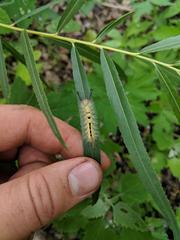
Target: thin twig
<point>91,44</point>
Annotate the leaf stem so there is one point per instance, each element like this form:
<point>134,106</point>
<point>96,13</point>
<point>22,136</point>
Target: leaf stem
<point>91,44</point>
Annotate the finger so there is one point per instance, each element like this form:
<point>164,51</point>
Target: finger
<point>29,155</point>
<point>31,159</point>
<point>24,124</point>
<point>29,202</point>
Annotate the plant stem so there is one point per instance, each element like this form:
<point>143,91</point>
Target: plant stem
<point>91,44</point>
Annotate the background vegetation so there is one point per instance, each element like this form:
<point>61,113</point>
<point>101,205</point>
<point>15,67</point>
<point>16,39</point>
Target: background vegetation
<point>125,209</point>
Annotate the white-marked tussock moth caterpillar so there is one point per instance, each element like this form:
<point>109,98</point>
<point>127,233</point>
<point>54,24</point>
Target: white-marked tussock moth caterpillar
<point>88,121</point>
<point>89,127</point>
<point>90,132</point>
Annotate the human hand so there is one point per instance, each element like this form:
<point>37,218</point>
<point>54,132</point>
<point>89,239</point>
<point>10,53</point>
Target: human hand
<point>40,190</point>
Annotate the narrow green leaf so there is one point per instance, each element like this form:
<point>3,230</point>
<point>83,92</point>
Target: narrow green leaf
<point>129,129</point>
<point>80,77</point>
<point>37,11</point>
<point>84,92</point>
<point>111,25</point>
<point>3,74</point>
<point>70,11</point>
<point>37,84</point>
<point>13,51</point>
<point>87,111</point>
<point>174,99</point>
<point>166,44</point>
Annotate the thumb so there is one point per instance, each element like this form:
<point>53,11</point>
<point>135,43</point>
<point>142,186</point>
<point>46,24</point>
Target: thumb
<point>29,202</point>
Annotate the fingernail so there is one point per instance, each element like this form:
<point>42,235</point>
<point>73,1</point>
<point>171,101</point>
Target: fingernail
<point>84,178</point>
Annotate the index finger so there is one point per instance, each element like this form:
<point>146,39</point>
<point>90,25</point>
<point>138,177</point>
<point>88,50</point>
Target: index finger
<point>20,124</point>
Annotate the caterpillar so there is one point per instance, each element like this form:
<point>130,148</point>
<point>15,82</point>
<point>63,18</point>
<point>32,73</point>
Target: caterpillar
<point>88,121</point>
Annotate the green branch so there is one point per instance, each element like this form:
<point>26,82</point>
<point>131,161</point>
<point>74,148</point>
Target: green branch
<point>91,44</point>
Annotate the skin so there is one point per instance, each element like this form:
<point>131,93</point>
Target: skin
<point>41,189</point>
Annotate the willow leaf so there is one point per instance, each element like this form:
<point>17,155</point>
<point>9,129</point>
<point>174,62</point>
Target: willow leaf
<point>129,129</point>
<point>37,84</point>
<point>70,11</point>
<point>36,11</point>
<point>80,77</point>
<point>166,44</point>
<point>3,74</point>
<point>111,25</point>
<point>91,148</point>
<point>173,97</point>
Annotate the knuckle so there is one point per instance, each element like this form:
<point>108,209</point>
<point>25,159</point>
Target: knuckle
<point>41,198</point>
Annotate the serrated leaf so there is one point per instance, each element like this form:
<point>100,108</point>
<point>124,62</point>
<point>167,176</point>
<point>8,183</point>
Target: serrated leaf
<point>96,211</point>
<point>37,84</point>
<point>166,44</point>
<point>132,190</point>
<point>126,217</point>
<point>97,230</point>
<point>77,209</point>
<point>36,11</point>
<point>111,25</point>
<point>174,99</point>
<point>70,11</point>
<point>130,133</point>
<point>3,74</point>
<point>70,224</point>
